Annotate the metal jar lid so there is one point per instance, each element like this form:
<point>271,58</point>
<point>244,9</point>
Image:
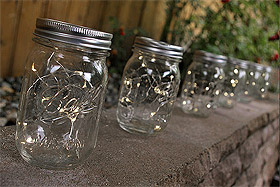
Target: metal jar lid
<point>204,56</point>
<point>259,67</point>
<point>256,67</point>
<point>242,63</point>
<point>158,47</point>
<point>72,34</point>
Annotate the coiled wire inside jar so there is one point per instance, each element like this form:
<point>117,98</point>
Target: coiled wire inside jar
<point>61,99</point>
<point>202,84</point>
<point>149,88</point>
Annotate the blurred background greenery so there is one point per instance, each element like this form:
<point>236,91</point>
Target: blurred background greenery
<point>244,29</point>
<point>241,29</point>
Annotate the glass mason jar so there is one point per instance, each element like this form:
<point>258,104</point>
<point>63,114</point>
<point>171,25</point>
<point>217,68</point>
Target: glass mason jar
<point>266,74</point>
<point>243,87</point>
<point>235,78</point>
<point>259,82</point>
<point>251,82</point>
<point>231,81</point>
<point>149,86</point>
<point>62,94</point>
<point>203,84</point>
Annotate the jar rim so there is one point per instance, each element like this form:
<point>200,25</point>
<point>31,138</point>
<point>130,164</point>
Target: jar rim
<point>69,46</point>
<point>73,34</point>
<point>158,47</point>
<point>155,55</point>
<point>256,66</point>
<point>210,57</point>
<point>204,56</point>
<point>242,63</point>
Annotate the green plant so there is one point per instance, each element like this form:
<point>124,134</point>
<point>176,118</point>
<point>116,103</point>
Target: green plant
<point>233,28</point>
<point>121,45</point>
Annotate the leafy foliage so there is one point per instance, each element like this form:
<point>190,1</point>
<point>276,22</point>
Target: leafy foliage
<point>120,52</point>
<point>244,29</point>
<point>238,28</point>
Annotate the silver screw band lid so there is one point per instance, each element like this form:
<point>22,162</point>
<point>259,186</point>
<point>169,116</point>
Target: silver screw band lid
<point>158,47</point>
<point>259,67</point>
<point>72,34</point>
<point>256,66</point>
<point>242,63</point>
<point>204,56</point>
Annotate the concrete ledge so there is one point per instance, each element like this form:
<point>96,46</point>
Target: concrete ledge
<point>191,151</point>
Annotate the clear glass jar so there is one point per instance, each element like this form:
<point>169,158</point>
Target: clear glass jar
<point>149,86</point>
<point>235,87</point>
<point>243,88</point>
<point>261,81</point>
<point>203,84</point>
<point>254,80</point>
<point>232,75</point>
<point>62,94</point>
<point>266,74</point>
<point>258,85</point>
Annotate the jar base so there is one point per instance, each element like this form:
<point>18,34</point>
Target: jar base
<point>138,128</point>
<point>227,106</point>
<point>225,102</point>
<point>196,114</point>
<point>245,100</point>
<point>53,164</point>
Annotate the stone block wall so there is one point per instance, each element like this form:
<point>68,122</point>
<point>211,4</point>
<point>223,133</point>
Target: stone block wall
<point>252,162</point>
<point>235,147</point>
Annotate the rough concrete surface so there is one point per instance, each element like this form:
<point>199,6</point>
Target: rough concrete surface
<point>185,153</point>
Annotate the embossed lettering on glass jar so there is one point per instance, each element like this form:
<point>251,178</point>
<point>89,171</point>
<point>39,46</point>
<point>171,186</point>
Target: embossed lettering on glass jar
<point>149,87</point>
<point>203,84</point>
<point>62,94</point>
